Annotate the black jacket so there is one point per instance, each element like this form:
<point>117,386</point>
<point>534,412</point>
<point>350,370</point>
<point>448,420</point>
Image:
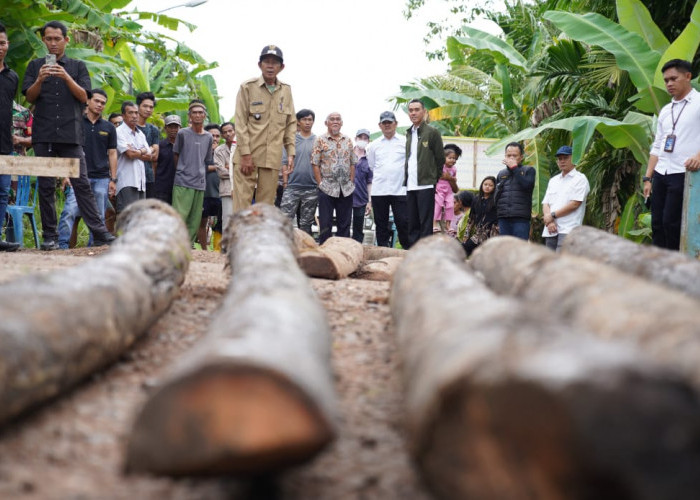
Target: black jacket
<point>514,192</point>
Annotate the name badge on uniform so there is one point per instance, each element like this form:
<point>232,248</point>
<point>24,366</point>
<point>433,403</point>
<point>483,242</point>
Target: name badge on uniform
<point>670,143</point>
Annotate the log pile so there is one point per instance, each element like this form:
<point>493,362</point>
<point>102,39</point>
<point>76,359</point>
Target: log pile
<point>506,403</point>
<point>587,294</point>
<point>673,269</point>
<point>57,329</point>
<point>256,394</point>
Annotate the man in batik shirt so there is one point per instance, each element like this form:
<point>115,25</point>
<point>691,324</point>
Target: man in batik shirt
<point>333,161</point>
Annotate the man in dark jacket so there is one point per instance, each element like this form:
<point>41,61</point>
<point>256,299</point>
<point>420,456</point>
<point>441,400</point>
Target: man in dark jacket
<point>514,194</point>
<point>425,157</point>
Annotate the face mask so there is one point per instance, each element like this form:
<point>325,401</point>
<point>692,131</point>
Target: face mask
<point>361,144</point>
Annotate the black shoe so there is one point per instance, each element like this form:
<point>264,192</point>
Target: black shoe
<point>104,239</point>
<point>50,245</point>
<point>8,246</point>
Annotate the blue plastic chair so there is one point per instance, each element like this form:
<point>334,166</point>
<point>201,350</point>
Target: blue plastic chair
<point>21,208</point>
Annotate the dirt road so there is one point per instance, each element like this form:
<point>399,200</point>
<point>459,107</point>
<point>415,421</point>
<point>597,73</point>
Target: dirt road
<point>73,448</point>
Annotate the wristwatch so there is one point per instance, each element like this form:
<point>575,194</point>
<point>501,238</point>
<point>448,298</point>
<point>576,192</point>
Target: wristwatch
<point>554,214</point>
<point>113,179</point>
<point>646,179</point>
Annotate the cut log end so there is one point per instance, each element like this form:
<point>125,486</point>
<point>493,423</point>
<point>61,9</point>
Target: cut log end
<point>242,420</point>
<point>517,439</point>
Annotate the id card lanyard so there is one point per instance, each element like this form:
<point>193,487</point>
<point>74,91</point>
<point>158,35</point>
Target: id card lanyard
<point>670,142</point>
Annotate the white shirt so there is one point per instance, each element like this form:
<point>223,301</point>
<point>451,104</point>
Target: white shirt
<point>387,159</point>
<point>130,173</point>
<point>687,133</point>
<point>560,191</point>
<point>412,184</point>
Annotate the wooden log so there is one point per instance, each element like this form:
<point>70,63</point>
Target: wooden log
<point>256,394</point>
<point>372,252</point>
<point>336,259</point>
<point>666,267</point>
<point>58,328</point>
<point>505,404</point>
<point>43,167</point>
<point>378,270</point>
<point>304,241</point>
<point>587,294</point>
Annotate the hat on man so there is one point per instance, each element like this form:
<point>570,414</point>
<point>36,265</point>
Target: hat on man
<point>362,131</point>
<point>387,116</point>
<point>272,50</point>
<point>170,119</point>
<point>564,151</point>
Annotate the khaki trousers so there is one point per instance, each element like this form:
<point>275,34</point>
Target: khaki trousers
<point>262,182</point>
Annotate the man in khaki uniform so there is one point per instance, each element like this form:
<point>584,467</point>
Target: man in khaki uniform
<point>265,121</point>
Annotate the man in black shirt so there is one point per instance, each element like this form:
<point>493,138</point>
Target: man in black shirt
<point>8,89</point>
<point>59,91</point>
<point>165,166</point>
<point>100,146</point>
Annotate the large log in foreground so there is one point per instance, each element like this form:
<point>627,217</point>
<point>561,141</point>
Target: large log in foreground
<point>504,404</point>
<point>256,394</point>
<point>58,328</point>
<point>336,259</point>
<point>666,267</point>
<point>609,303</point>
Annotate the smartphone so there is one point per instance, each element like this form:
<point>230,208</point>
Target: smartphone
<point>50,59</point>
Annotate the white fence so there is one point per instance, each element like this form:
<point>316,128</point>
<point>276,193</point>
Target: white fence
<point>474,165</point>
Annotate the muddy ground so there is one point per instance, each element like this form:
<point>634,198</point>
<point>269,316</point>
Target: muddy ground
<point>73,448</point>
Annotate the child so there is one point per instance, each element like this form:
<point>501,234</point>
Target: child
<point>445,187</point>
<point>483,221</point>
<point>463,202</point>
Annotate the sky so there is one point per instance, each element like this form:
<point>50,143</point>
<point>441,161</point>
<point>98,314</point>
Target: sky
<point>344,56</point>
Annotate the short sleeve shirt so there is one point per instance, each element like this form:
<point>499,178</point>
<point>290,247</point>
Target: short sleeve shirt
<point>194,154</point>
<point>58,114</point>
<point>100,137</point>
<point>334,156</point>
<point>560,191</point>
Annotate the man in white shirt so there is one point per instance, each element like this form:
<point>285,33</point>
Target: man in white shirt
<point>386,157</point>
<point>564,203</point>
<point>676,149</point>
<point>132,151</point>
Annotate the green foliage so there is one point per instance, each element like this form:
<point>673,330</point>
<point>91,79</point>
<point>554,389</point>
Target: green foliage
<point>120,55</point>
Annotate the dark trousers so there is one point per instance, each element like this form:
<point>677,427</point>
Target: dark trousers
<point>520,228</point>
<point>81,187</point>
<point>420,210</point>
<point>358,223</point>
<point>667,209</point>
<point>342,206</point>
<point>380,207</point>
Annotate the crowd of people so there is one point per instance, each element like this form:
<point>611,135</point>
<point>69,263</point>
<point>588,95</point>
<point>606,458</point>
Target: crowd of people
<point>269,154</point>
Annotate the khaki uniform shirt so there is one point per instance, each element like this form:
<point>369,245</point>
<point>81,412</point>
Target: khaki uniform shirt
<point>264,123</point>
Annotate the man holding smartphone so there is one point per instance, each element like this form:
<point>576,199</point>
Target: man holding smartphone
<point>58,86</point>
<point>675,151</point>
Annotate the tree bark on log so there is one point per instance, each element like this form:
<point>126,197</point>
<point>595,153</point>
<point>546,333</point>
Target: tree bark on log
<point>587,294</point>
<point>372,252</point>
<point>57,329</point>
<point>336,259</point>
<point>666,267</point>
<point>503,404</point>
<point>379,270</point>
<point>256,394</point>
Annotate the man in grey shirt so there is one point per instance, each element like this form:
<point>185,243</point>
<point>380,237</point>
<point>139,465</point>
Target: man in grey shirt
<point>300,197</point>
<point>192,153</point>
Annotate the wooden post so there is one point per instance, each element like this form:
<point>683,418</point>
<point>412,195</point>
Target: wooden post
<point>690,223</point>
<point>665,267</point>
<point>583,293</point>
<point>57,329</point>
<point>256,395</point>
<point>39,166</point>
<point>505,403</point>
